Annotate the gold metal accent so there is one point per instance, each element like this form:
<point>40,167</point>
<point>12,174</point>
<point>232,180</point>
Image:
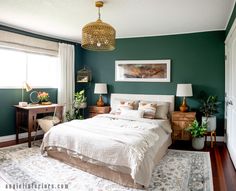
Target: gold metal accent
<point>98,36</point>
<point>99,4</point>
<point>100,102</point>
<point>184,106</point>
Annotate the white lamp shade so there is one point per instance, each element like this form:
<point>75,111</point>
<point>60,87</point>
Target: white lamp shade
<point>100,88</point>
<point>184,90</point>
<point>27,87</point>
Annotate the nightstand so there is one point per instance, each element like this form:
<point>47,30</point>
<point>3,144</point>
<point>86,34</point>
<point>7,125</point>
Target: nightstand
<point>95,110</point>
<point>180,121</point>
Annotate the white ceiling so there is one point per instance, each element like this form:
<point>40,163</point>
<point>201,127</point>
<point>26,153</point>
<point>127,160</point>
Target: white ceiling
<point>64,19</point>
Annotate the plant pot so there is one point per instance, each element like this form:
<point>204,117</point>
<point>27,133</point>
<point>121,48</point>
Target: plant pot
<point>211,123</point>
<point>198,143</point>
<point>83,105</point>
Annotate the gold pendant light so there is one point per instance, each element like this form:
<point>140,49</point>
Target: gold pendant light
<point>98,36</point>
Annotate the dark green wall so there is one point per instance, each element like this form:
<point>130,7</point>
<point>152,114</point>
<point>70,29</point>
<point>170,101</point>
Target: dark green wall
<point>10,97</point>
<point>196,58</point>
<point>231,20</point>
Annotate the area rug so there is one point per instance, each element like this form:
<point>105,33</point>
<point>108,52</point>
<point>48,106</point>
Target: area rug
<point>25,168</point>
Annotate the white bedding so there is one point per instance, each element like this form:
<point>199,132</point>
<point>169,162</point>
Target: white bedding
<point>113,140</point>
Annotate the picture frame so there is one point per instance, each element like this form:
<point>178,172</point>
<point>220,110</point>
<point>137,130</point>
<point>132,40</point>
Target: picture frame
<point>143,70</point>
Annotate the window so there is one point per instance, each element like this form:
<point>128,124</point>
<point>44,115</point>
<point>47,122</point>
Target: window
<point>38,70</point>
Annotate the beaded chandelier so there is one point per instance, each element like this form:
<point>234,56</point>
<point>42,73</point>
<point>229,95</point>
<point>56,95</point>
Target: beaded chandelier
<point>98,36</point>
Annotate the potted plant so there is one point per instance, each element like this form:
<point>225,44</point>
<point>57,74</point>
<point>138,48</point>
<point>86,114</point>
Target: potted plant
<point>79,103</point>
<point>43,98</point>
<point>80,99</point>
<point>197,131</point>
<point>209,108</point>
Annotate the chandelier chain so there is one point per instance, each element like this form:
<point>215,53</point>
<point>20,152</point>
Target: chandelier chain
<point>99,13</point>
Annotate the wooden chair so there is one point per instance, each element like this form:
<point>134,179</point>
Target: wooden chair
<point>213,136</point>
<point>46,123</point>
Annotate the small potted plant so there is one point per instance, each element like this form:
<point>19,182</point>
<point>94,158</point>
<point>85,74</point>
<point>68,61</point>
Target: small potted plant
<point>43,98</point>
<point>197,131</point>
<point>209,108</point>
<point>79,103</point>
<point>80,99</point>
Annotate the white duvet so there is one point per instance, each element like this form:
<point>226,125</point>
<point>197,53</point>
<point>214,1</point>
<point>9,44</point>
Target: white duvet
<point>113,140</point>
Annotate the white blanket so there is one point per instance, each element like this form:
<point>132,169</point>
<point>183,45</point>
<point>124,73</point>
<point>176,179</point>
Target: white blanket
<point>113,140</point>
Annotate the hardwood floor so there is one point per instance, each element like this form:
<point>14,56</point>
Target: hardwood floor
<point>224,174</point>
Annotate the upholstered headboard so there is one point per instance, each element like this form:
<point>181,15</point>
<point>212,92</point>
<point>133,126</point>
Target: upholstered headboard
<point>144,97</point>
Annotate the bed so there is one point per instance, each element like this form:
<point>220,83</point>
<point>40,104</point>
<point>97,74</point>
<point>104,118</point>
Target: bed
<point>120,148</point>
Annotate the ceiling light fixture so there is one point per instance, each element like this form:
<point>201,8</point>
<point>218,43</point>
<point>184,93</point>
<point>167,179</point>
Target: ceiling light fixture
<point>98,36</point>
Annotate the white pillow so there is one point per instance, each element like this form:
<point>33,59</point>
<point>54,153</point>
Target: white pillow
<point>132,113</point>
<point>122,105</point>
<point>162,110</point>
<point>149,109</point>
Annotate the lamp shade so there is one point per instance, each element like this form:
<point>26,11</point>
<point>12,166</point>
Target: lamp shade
<point>100,88</point>
<point>27,87</point>
<point>184,90</point>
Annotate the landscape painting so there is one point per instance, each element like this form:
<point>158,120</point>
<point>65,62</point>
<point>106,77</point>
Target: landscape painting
<point>142,70</point>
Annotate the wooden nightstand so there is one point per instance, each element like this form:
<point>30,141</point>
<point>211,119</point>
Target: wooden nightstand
<point>95,110</point>
<point>180,121</point>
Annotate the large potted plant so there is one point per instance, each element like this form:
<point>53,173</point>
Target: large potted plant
<point>79,103</point>
<point>197,130</point>
<point>209,108</point>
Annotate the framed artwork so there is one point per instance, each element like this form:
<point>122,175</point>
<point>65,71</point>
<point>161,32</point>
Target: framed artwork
<point>142,70</point>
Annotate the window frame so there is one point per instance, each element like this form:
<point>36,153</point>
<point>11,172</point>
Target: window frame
<point>26,72</point>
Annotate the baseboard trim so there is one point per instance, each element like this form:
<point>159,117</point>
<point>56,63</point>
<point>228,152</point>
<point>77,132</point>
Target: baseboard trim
<point>218,138</point>
<point>21,136</point>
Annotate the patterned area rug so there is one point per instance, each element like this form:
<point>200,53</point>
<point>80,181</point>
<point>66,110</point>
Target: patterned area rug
<point>26,169</point>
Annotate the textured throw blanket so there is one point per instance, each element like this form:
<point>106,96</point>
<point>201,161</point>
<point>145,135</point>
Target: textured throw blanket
<point>110,139</point>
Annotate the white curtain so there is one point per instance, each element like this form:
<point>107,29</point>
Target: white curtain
<point>67,76</point>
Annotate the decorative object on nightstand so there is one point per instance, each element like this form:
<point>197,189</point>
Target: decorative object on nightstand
<point>180,121</point>
<point>100,88</point>
<point>184,90</point>
<point>95,110</point>
<point>197,131</point>
<point>26,87</point>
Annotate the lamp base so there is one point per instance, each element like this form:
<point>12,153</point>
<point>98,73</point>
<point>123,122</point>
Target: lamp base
<point>100,102</point>
<point>184,106</point>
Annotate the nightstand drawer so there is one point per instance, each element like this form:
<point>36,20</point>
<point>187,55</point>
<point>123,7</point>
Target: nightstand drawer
<point>95,109</point>
<point>178,125</point>
<point>183,116</point>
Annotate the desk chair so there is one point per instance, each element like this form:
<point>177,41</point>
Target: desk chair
<point>46,123</point>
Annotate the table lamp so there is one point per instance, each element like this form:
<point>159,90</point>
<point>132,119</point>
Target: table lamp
<point>184,90</point>
<point>100,88</point>
<point>27,87</point>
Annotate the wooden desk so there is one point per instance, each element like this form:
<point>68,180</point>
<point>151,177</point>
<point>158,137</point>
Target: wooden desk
<point>30,114</point>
